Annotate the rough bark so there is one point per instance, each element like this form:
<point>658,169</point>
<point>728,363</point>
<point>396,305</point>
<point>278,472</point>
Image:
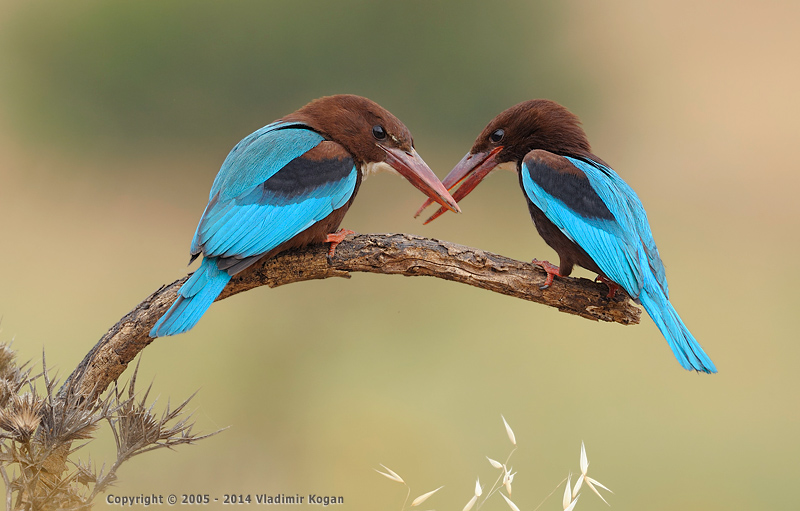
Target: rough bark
<point>399,254</point>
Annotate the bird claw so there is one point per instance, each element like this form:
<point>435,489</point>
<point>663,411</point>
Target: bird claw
<point>335,238</point>
<point>612,286</point>
<point>551,269</point>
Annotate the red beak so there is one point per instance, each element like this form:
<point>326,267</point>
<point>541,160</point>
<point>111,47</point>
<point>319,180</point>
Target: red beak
<point>412,167</point>
<point>470,171</point>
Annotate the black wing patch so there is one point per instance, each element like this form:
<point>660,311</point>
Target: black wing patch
<point>326,163</point>
<point>563,181</point>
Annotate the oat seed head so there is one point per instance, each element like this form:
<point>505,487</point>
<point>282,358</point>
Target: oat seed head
<point>508,478</point>
<point>510,503</point>
<point>391,474</point>
<point>478,489</point>
<point>495,464</point>
<point>567,493</point>
<point>596,482</point>
<point>577,486</point>
<point>422,498</point>
<point>509,431</point>
<point>471,503</point>
<point>584,460</point>
<point>572,504</point>
<point>591,483</point>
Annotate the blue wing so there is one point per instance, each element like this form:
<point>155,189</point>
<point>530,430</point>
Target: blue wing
<point>637,210</point>
<point>255,159</point>
<point>599,212</point>
<point>253,212</point>
<point>590,211</point>
<point>274,184</point>
<point>261,154</point>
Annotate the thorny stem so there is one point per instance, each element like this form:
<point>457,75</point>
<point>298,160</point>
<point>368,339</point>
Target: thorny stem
<point>41,451</point>
<point>100,484</point>
<point>9,499</point>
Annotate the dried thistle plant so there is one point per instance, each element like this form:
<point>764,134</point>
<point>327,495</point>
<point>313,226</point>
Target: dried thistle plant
<point>38,432</point>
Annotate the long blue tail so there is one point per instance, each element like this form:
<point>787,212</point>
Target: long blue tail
<point>683,344</point>
<point>194,299</point>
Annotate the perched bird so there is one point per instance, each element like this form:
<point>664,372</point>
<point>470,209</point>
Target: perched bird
<point>581,208</point>
<point>290,184</point>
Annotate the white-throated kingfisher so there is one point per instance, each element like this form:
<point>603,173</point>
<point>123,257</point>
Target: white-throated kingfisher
<point>290,184</point>
<point>581,208</point>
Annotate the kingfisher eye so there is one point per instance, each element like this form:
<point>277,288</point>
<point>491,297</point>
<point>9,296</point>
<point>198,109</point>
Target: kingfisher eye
<point>378,132</point>
<point>497,136</point>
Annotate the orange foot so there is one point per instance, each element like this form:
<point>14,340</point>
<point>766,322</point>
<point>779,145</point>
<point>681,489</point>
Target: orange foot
<point>612,286</point>
<point>335,238</point>
<point>551,269</point>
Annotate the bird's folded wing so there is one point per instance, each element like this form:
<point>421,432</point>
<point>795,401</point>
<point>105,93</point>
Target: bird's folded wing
<point>261,154</point>
<point>268,211</point>
<point>608,182</point>
<point>592,216</point>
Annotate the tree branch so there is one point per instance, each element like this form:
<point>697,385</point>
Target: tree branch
<point>398,254</point>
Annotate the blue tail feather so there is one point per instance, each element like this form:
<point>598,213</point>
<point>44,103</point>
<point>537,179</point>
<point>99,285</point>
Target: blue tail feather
<point>194,299</point>
<point>686,349</point>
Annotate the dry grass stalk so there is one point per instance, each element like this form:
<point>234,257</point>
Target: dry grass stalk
<point>506,477</point>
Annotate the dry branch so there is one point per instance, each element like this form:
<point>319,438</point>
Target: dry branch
<point>399,254</point>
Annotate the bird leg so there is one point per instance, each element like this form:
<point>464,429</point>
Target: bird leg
<point>612,286</point>
<point>551,269</point>
<point>335,238</point>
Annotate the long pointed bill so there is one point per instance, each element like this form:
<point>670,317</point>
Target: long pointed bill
<point>468,173</point>
<point>412,167</point>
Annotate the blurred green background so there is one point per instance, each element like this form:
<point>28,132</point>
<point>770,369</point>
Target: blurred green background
<point>115,117</point>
